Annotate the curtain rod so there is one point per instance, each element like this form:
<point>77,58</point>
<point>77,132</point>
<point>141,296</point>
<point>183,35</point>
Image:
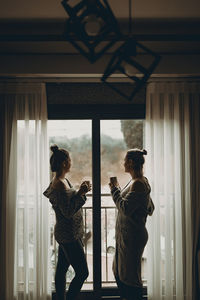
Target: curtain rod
<point>87,78</point>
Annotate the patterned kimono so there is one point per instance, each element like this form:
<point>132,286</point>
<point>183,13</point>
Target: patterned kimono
<point>67,205</point>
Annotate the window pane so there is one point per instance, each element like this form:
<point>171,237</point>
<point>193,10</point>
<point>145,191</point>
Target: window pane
<point>117,136</point>
<point>75,136</point>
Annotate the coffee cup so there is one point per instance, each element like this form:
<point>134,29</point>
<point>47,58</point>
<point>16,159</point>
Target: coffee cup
<point>113,180</point>
<point>88,183</point>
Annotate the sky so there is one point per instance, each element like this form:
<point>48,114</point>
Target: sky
<point>76,128</point>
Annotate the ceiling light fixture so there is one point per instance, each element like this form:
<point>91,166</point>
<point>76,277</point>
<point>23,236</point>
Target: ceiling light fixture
<point>128,60</point>
<point>91,28</point>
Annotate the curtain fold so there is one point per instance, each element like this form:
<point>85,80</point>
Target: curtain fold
<point>27,236</point>
<point>170,166</point>
<point>195,189</point>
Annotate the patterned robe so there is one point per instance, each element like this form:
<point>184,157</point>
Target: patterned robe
<point>67,205</point>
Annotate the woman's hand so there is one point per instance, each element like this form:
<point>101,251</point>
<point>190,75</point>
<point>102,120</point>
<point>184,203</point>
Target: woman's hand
<point>84,188</point>
<point>113,185</point>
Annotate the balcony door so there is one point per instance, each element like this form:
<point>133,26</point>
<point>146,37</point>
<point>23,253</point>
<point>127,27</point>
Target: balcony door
<point>97,138</point>
<point>116,137</point>
<point>97,147</point>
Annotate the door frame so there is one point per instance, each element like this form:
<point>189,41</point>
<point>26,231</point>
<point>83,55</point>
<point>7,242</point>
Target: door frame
<point>96,113</point>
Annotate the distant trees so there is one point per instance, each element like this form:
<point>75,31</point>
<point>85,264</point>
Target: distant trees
<point>80,150</point>
<point>133,133</point>
<point>112,151</point>
<point>112,156</point>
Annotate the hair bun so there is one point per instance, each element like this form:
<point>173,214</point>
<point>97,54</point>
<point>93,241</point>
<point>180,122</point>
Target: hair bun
<point>54,148</point>
<point>144,152</point>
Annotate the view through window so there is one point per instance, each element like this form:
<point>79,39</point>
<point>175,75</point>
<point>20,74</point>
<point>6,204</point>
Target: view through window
<point>116,136</point>
<point>75,136</point>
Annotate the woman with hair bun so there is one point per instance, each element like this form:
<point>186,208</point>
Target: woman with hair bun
<point>134,204</point>
<point>67,204</point>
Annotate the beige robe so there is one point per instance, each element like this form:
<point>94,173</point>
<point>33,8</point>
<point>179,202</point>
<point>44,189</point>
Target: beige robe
<point>131,233</point>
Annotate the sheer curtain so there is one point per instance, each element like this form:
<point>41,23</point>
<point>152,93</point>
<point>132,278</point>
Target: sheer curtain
<point>27,236</point>
<point>171,248</point>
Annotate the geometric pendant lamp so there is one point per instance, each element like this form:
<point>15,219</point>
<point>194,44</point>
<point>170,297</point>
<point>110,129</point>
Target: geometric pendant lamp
<point>91,27</point>
<point>136,62</point>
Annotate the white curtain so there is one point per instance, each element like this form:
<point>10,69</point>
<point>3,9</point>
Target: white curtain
<point>27,265</point>
<point>168,167</point>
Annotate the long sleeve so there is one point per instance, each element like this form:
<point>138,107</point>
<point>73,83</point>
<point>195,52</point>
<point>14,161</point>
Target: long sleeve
<point>69,202</point>
<point>128,204</point>
<point>150,207</point>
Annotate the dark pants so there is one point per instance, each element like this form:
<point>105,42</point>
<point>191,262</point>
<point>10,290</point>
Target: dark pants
<point>70,254</point>
<point>128,292</point>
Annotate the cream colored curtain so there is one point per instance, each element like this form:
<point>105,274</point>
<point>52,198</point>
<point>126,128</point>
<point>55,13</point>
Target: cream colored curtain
<point>26,232</point>
<point>171,121</point>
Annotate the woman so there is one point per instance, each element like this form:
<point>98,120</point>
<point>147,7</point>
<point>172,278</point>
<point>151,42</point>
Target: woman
<point>67,204</point>
<point>133,204</point>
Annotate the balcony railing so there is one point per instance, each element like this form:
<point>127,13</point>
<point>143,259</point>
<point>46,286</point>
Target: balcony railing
<point>108,218</point>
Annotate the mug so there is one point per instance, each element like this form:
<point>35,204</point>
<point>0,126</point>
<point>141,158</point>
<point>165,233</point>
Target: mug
<point>113,180</point>
<point>87,182</point>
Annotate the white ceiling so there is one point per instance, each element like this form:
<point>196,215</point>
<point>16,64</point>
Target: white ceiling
<point>52,9</point>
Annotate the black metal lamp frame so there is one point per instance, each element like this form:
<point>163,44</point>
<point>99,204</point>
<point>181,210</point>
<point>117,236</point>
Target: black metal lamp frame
<point>125,55</point>
<point>92,47</point>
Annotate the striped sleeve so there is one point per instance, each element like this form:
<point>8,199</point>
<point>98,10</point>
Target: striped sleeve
<point>128,204</point>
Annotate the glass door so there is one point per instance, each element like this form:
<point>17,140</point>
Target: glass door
<point>97,148</point>
<point>76,137</point>
<point>117,136</point>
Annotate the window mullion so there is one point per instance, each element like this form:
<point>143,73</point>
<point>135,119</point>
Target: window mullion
<point>96,171</point>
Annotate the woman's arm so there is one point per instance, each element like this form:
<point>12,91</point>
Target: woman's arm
<point>69,202</point>
<point>128,204</point>
<point>150,207</point>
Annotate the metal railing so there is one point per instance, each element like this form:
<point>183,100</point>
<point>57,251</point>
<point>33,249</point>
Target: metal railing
<point>107,245</point>
<point>108,219</point>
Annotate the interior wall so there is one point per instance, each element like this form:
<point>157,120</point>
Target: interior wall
<point>91,93</point>
<point>76,64</point>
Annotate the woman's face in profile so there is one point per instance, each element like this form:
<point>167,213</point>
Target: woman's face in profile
<point>126,164</point>
<point>68,164</point>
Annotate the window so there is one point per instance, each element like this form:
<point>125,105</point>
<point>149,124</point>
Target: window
<point>117,136</point>
<point>97,145</point>
<point>75,136</point>
<point>115,139</point>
